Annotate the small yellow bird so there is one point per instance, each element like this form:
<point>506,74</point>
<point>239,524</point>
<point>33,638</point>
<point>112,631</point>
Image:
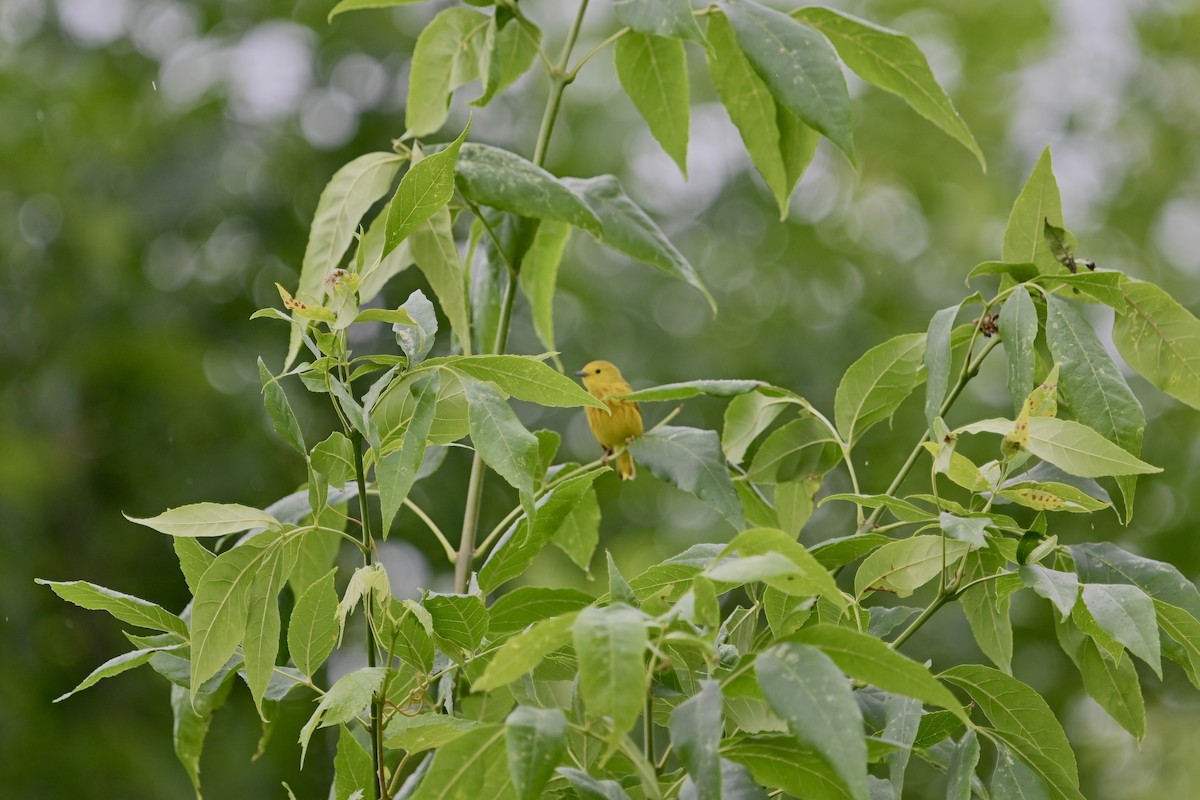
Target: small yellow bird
<point>603,381</point>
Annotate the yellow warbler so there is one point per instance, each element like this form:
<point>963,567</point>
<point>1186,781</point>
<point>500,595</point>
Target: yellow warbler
<point>604,382</point>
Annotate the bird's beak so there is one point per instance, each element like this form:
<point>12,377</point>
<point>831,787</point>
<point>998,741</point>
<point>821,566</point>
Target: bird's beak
<point>581,372</point>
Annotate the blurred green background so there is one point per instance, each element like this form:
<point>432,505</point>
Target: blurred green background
<point>159,164</point>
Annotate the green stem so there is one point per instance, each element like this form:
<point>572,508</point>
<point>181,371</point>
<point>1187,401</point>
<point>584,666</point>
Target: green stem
<point>970,369</point>
<point>368,544</point>
<point>470,529</point>
<point>939,601</point>
<point>429,523</point>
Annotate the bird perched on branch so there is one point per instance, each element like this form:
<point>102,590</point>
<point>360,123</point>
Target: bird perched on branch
<point>604,382</point>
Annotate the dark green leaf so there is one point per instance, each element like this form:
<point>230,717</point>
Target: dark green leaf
<point>937,362</point>
<point>459,622</point>
<point>987,610</point>
<point>472,767</point>
<point>499,437</point>
<point>313,629</point>
<point>803,448</point>
<point>893,62</point>
<point>746,417</point>
<point>1060,588</point>
<point>1127,614</point>
<point>589,788</point>
<point>902,723</point>
<point>783,763</point>
<point>691,459</point>
<point>524,377</point>
<point>127,608</point>
<point>520,608</point>
<point>610,643</point>
<point>798,66</point>
<point>1104,562</point>
<point>688,389</point>
<point>906,565</point>
<point>352,767</point>
<point>343,702</point>
<point>499,179</point>
<point>539,276</point>
<point>280,410</point>
<point>424,731</point>
<point>804,687</point>
<point>962,768</point>
<point>1111,681</point>
<point>1024,723</point>
<point>523,652</point>
<point>672,18</point>
<point>452,51</point>
<point>537,740</point>
<point>397,470</point>
<point>579,533</point>
<point>436,254</point>
<point>1018,330</point>
<point>868,659</point>
<point>696,727</point>
<point>626,228</point>
<point>1092,385</point>
<point>1012,780</point>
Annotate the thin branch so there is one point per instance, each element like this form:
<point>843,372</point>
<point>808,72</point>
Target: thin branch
<point>441,537</point>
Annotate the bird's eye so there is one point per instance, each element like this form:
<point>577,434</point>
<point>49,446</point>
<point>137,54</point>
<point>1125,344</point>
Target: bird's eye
<point>597,370</point>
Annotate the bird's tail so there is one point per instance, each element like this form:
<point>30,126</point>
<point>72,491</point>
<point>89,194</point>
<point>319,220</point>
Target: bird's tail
<point>625,466</point>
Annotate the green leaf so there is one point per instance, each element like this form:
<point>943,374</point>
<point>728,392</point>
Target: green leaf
<point>343,702</point>
<point>537,740</point>
<point>194,558</point>
<point>397,470</point>
<point>459,622</point>
<point>375,269</point>
<point>891,61</point>
<point>1184,629</point>
<point>513,48</point>
<point>833,553</point>
<point>425,188</point>
<point>798,66</point>
<point>125,607</point>
<point>1012,780</point>
<point>517,610</point>
<point>962,768</point>
<point>877,383</point>
<point>902,724</point>
<point>313,629</point>
<point>222,603</point>
<point>804,687</point>
<point>780,762</point>
<point>1051,497</point>
<point>260,645</point>
<point>333,457</point>
<point>746,417</point>
<point>671,18</point>
<point>393,413</point>
<point>472,767</point>
<point>517,550</point>
<point>358,5</point>
<point>452,51</point>
<point>1092,385</point>
<point>618,588</point>
<point>1127,614</point>
<point>626,228</point>
<point>352,767</point>
<point>653,72</point>
<point>117,665</point>
<point>523,652</point>
<point>1104,562</point>
<point>208,519</point>
<point>906,565</point>
<point>1024,723</point>
<point>424,731</point>
<point>280,410</point>
<point>937,362</point>
<point>987,610</point>
<point>965,529</point>
<point>803,575</point>
<point>610,643</point>
<point>1018,330</point>
<point>695,727</point>
<point>779,144</point>
<point>1060,588</point>
<point>589,788</point>
<point>524,377</point>
<point>1039,202</point>
<point>868,659</point>
<point>499,179</point>
<point>539,276</point>
<point>499,437</point>
<point>1111,681</point>
<point>436,254</point>
<point>1079,450</point>
<point>1160,339</point>
<point>1103,287</point>
<point>351,191</point>
<point>690,459</point>
<point>579,533</point>
<point>689,389</point>
<point>803,448</point>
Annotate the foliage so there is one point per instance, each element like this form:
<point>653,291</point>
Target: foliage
<point>762,663</point>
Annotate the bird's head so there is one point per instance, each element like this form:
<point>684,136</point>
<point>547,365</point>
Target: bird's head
<point>598,373</point>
